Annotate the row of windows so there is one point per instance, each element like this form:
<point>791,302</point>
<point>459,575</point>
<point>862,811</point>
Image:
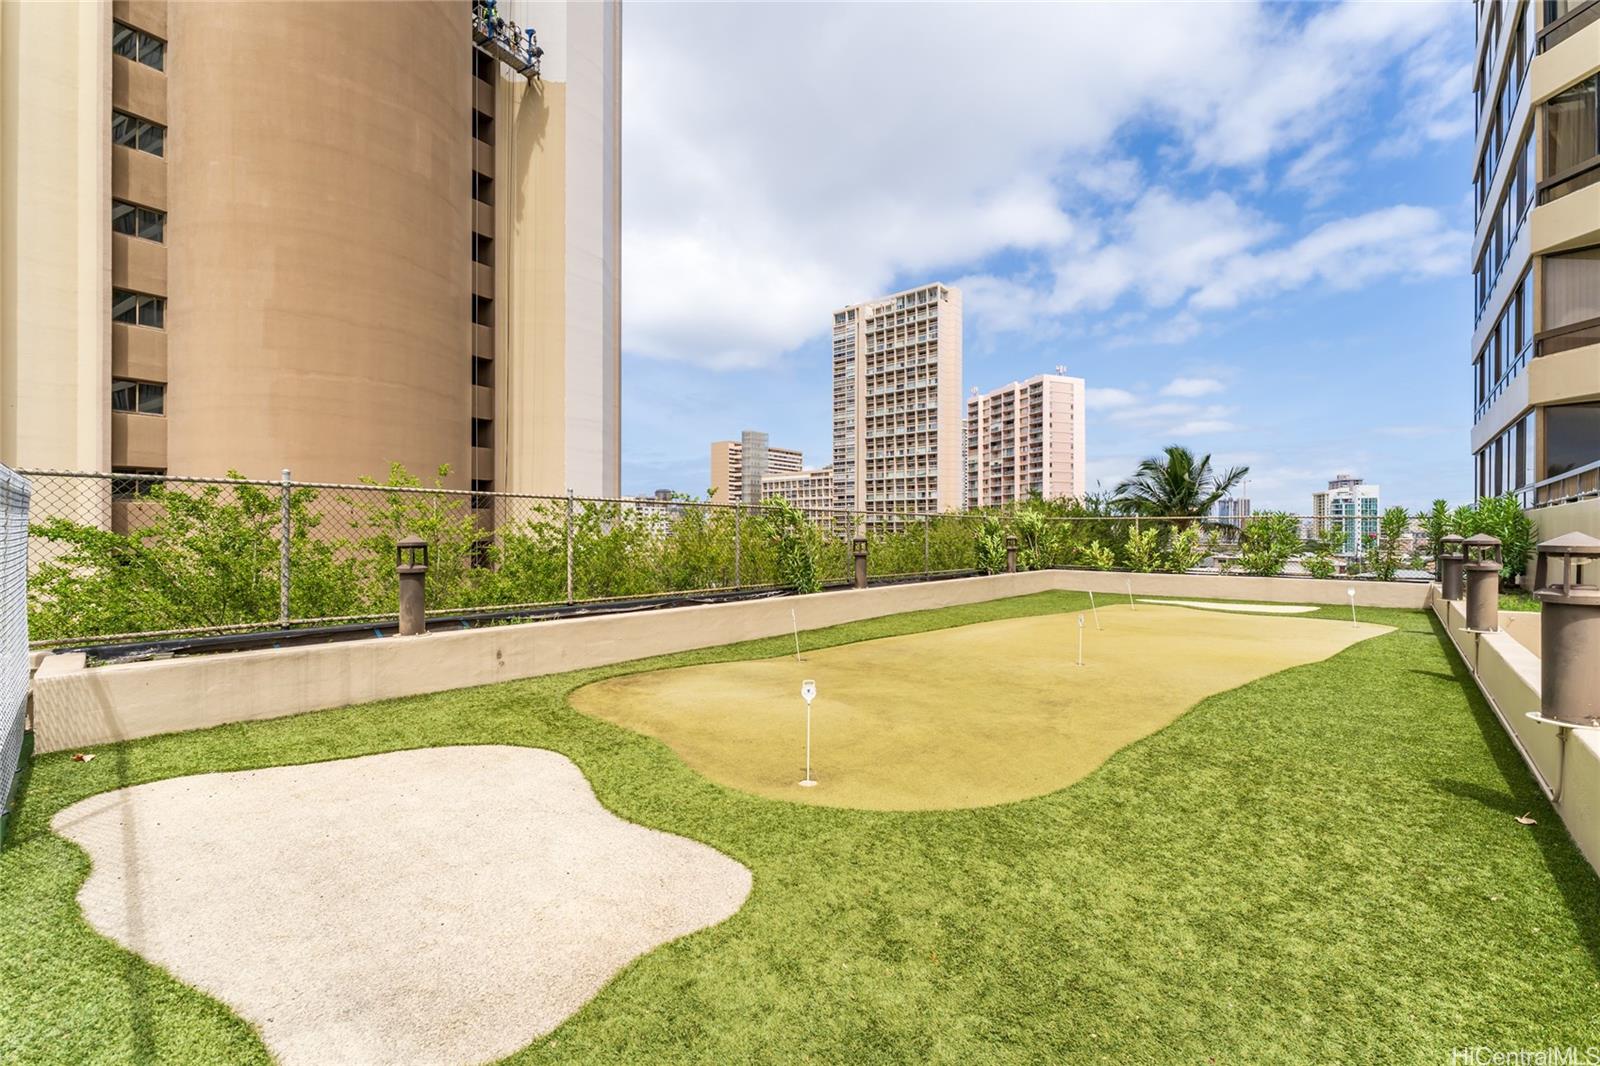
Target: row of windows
<point>1510,90</point>
<point>138,309</point>
<point>139,46</point>
<point>140,134</point>
<point>1507,348</point>
<point>137,221</point>
<point>1510,213</point>
<point>1569,292</point>
<point>142,397</point>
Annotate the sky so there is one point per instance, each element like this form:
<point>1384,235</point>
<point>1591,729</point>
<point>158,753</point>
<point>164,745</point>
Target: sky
<point>1246,227</point>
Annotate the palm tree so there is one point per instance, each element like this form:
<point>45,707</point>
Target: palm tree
<point>1175,483</point>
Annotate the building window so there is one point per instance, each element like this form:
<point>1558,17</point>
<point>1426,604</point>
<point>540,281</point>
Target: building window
<point>1571,298</point>
<point>142,397</point>
<point>483,189</point>
<point>483,372</point>
<point>140,134</point>
<point>1571,437</point>
<point>135,221</point>
<point>131,484</point>
<point>1572,140</point>
<point>481,502</point>
<point>138,46</point>
<point>137,309</point>
<point>482,433</point>
<point>483,66</point>
<point>482,311</point>
<point>483,249</point>
<point>482,126</point>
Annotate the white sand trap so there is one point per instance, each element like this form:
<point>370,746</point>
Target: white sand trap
<point>448,905</point>
<point>1249,608</point>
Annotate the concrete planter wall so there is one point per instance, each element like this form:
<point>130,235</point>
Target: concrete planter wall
<point>76,706</point>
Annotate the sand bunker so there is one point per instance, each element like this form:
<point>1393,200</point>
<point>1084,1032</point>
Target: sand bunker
<point>448,905</point>
<point>962,717</point>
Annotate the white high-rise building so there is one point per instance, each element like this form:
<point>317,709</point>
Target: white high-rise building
<point>1348,503</point>
<point>897,442</point>
<point>1026,439</point>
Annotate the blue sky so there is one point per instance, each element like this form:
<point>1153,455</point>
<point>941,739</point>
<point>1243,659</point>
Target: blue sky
<point>1248,232</point>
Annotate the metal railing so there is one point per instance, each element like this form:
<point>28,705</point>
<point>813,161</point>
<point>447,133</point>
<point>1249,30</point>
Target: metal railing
<point>133,556</point>
<point>14,498</point>
<point>1581,483</point>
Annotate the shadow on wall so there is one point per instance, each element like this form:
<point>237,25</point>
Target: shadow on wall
<point>1568,868</point>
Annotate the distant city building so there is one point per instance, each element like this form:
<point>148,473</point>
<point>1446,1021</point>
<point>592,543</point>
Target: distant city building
<point>1025,439</point>
<point>665,494</point>
<point>809,490</point>
<point>897,443</point>
<point>1350,504</point>
<point>737,466</point>
<point>1232,510</point>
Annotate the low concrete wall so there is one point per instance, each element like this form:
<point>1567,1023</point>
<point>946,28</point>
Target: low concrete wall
<point>1507,670</point>
<point>1407,594</point>
<point>77,707</point>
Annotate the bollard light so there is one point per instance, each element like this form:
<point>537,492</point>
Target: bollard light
<point>411,566</point>
<point>1011,553</point>
<point>808,692</point>
<point>859,547</point>
<point>1569,629</point>
<point>1450,562</point>
<point>1481,573</point>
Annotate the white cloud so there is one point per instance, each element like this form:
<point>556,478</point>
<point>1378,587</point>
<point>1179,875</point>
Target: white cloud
<point>1103,398</point>
<point>1191,387</point>
<point>768,182</point>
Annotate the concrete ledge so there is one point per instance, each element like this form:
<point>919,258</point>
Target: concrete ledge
<point>1508,674</point>
<point>78,707</point>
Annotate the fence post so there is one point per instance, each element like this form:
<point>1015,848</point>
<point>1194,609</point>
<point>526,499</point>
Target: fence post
<point>569,545</point>
<point>284,534</point>
<point>927,520</point>
<point>738,515</point>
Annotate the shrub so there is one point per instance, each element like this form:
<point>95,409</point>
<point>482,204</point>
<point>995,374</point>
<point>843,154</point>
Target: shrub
<point>794,540</point>
<point>1097,556</point>
<point>1385,556</point>
<point>1142,550</point>
<point>1435,526</point>
<point>1269,540</point>
<point>1503,517</point>
<point>1185,551</point>
<point>990,545</point>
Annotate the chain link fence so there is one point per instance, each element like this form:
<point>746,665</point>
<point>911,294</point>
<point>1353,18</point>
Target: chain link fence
<point>14,497</point>
<point>135,555</point>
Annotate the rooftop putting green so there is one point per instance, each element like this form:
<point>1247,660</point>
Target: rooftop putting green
<point>964,717</point>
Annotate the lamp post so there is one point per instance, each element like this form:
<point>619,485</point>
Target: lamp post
<point>1482,569</point>
<point>1450,563</point>
<point>411,565</point>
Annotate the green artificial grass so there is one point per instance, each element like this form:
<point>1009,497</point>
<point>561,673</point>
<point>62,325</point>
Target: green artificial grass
<point>1322,865</point>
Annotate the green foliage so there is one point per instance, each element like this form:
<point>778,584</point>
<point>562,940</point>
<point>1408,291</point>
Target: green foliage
<point>1503,517</point>
<point>990,545</point>
<point>1321,563</point>
<point>1176,483</point>
<point>1143,550</point>
<point>1384,556</point>
<point>1184,552</point>
<point>1270,539</point>
<point>1464,521</point>
<point>795,542</point>
<point>1435,526</point>
<point>1097,556</point>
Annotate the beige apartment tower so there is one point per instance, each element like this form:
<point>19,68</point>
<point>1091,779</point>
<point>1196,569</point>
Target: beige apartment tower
<point>1535,351</point>
<point>737,466</point>
<point>897,444</point>
<point>1026,439</point>
<point>323,237</point>
<point>809,490</point>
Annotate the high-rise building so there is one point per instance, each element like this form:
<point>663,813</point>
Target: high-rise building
<point>1232,510</point>
<point>326,237</point>
<point>897,403</point>
<point>1350,504</point>
<point>1536,259</point>
<point>737,466</point>
<point>1026,439</point>
<point>809,490</point>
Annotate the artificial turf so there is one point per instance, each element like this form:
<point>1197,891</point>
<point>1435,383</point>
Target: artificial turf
<point>1323,865</point>
<point>969,716</point>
